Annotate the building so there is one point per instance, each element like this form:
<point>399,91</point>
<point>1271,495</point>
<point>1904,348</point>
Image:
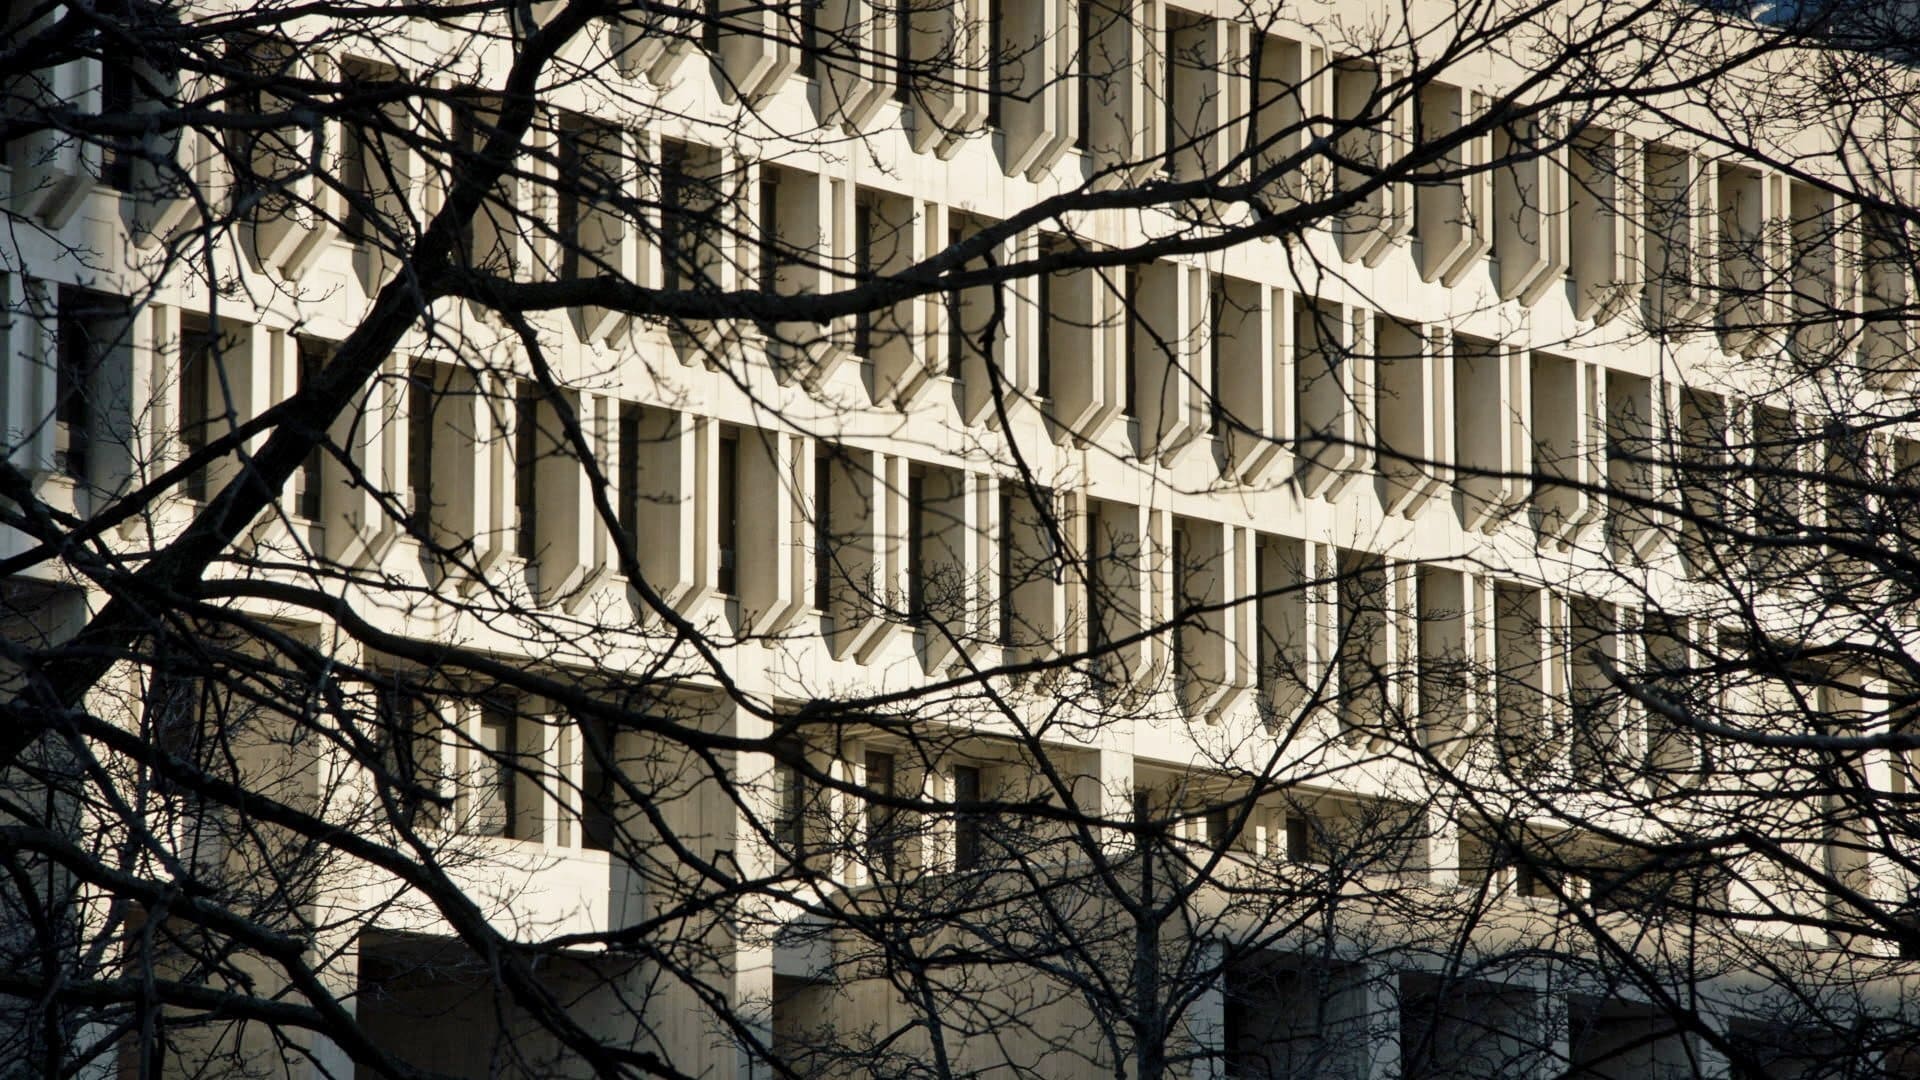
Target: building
<point>768,675</point>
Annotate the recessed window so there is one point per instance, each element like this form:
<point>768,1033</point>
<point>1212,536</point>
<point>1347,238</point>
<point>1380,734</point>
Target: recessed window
<point>916,546</point>
<point>494,809</point>
<point>863,266</point>
<point>199,357</point>
<point>822,530</point>
<point>88,325</point>
<point>420,429</point>
<point>526,469</point>
<point>967,831</point>
<point>313,357</point>
<point>117,156</point>
<point>882,841</point>
<point>630,473</point>
<point>727,512</point>
<point>790,804</point>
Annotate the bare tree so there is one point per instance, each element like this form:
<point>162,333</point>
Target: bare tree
<point>958,539</point>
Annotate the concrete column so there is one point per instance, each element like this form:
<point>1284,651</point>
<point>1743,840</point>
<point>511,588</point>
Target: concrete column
<point>30,365</point>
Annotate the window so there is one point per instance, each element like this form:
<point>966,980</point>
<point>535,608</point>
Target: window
<point>789,803</point>
<point>809,38</point>
<point>87,323</point>
<point>727,515</point>
<point>1216,324</point>
<point>630,473</point>
<point>599,825</point>
<point>1300,845</point>
<point>822,530</point>
<point>408,738</point>
<point>956,310</point>
<point>677,254</point>
<point>177,707</point>
<point>1096,587</point>
<point>863,273</point>
<point>1043,348</point>
<point>966,823</point>
<point>916,546</point>
<point>526,469</point>
<point>1169,81</point>
<point>494,809</point>
<point>567,209</point>
<point>903,51</point>
<point>1218,822</point>
<point>357,171</point>
<point>1130,346</point>
<point>420,403</point>
<point>199,354</point>
<point>882,841</point>
<point>1182,602</point>
<point>769,229</point>
<point>117,155</point>
<point>313,356</point>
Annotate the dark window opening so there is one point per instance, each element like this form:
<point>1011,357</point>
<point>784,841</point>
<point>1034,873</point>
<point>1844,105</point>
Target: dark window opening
<point>313,356</point>
<point>526,469</point>
<point>1299,839</point>
<point>882,838</point>
<point>420,425</point>
<point>199,357</point>
<point>567,208</point>
<point>916,547</point>
<point>809,38</point>
<point>598,790</point>
<point>769,232</point>
<point>822,530</point>
<point>862,273</point>
<point>1216,323</point>
<point>1130,346</point>
<point>1083,121</point>
<point>1169,79</point>
<point>494,811</point>
<point>87,324</point>
<point>727,523</point>
<point>676,237</point>
<point>1182,603</point>
<point>1218,822</point>
<point>630,473</point>
<point>117,155</point>
<point>408,740</point>
<point>903,51</point>
<point>967,831</point>
<point>1043,348</point>
<point>790,804</point>
<point>956,324</point>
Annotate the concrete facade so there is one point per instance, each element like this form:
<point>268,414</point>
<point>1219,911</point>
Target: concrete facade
<point>1415,479</point>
